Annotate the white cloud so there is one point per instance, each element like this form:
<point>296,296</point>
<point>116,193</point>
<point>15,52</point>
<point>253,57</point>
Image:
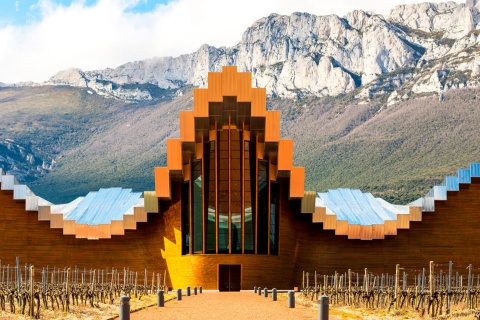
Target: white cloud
<point>108,34</point>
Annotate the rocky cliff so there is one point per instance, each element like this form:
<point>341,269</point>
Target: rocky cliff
<point>416,49</point>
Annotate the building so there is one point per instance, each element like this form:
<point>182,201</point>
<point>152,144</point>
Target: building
<point>230,212</point>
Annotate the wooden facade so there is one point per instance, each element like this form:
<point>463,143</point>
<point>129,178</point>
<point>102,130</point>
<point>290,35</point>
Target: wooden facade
<point>228,118</point>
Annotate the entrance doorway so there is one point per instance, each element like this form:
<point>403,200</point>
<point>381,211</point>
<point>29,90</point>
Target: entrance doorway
<point>229,277</point>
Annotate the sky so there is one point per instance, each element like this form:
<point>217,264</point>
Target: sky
<point>38,38</point>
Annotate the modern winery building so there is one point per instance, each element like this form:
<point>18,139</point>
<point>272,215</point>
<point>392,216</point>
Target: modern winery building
<point>230,211</point>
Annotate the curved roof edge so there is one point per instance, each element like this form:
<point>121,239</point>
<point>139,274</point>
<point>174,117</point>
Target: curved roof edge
<point>361,216</point>
<point>99,215</point>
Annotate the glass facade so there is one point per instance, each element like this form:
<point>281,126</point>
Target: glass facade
<point>230,206</point>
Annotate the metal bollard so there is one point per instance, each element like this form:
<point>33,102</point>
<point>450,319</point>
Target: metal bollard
<point>188,291</point>
<point>200,290</point>
<point>259,291</point>
<point>179,294</point>
<point>265,292</point>
<point>161,299</point>
<point>291,299</point>
<point>323,308</point>
<point>195,290</point>
<point>254,289</point>
<point>124,308</point>
<point>274,294</point>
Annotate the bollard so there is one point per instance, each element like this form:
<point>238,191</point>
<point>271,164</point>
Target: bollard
<point>274,294</point>
<point>265,292</point>
<point>188,291</point>
<point>200,290</point>
<point>160,299</point>
<point>291,299</point>
<point>179,294</point>
<point>195,290</point>
<point>323,308</point>
<point>124,308</point>
<point>259,291</point>
<point>254,289</point>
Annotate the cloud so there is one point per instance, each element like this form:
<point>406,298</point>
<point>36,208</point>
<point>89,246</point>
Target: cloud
<point>110,32</point>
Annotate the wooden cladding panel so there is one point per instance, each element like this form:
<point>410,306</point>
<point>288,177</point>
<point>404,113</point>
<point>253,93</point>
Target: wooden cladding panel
<point>129,222</point>
<point>174,154</point>
<point>297,183</point>
<point>415,213</point>
<point>319,214</point>
<point>366,232</point>
<point>229,81</point>
<point>353,231</point>
<point>117,227</point>
<point>403,221</point>
<point>200,103</point>
<point>69,227</point>
<point>187,126</point>
<point>285,155</point>
<point>162,183</point>
<point>140,214</point>
<point>390,227</point>
<point>378,231</point>
<point>214,87</point>
<point>330,222</point>
<point>272,126</point>
<point>244,87</point>
<point>308,202</point>
<point>44,213</point>
<point>259,102</point>
<point>56,220</point>
<point>342,228</point>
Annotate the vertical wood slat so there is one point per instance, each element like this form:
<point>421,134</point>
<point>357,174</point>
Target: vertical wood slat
<point>319,215</point>
<point>297,182</point>
<point>69,227</point>
<point>174,154</point>
<point>117,228</point>
<point>330,222</point>
<point>162,182</point>
<point>378,231</point>
<point>415,213</point>
<point>200,102</point>
<point>272,126</point>
<point>403,221</point>
<point>129,222</point>
<point>56,220</point>
<point>187,126</point>
<point>390,227</point>
<point>229,81</point>
<point>342,228</point>
<point>353,231</point>
<point>259,102</point>
<point>244,93</point>
<point>214,88</point>
<point>150,201</point>
<point>285,155</point>
<point>140,214</point>
<point>44,213</point>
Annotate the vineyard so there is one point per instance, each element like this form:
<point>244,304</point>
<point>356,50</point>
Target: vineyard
<point>432,292</point>
<point>27,290</point>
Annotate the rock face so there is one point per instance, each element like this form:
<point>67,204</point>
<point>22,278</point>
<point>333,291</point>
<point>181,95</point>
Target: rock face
<point>304,54</point>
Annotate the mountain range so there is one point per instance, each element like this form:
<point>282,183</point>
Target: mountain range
<point>386,104</point>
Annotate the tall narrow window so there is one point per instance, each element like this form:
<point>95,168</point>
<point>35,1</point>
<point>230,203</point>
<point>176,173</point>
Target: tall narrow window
<point>223,192</point>
<point>236,191</point>
<point>274,218</point>
<point>186,218</point>
<point>249,197</point>
<point>210,195</point>
<point>197,207</point>
<point>262,224</point>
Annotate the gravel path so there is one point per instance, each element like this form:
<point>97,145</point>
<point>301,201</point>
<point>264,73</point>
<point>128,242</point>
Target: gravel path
<point>226,305</point>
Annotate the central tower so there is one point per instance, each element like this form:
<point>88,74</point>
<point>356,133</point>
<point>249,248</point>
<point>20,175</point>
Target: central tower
<point>229,160</point>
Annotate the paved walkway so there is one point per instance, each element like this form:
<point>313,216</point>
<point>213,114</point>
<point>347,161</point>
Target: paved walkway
<point>227,305</point>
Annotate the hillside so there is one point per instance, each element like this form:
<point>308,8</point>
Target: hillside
<point>397,152</point>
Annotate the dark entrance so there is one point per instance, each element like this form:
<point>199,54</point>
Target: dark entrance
<point>229,276</point>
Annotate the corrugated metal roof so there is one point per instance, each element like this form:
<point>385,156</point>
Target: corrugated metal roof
<point>102,207</point>
<point>357,207</point>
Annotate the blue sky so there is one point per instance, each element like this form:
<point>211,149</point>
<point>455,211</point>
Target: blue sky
<point>39,38</point>
<point>26,11</point>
